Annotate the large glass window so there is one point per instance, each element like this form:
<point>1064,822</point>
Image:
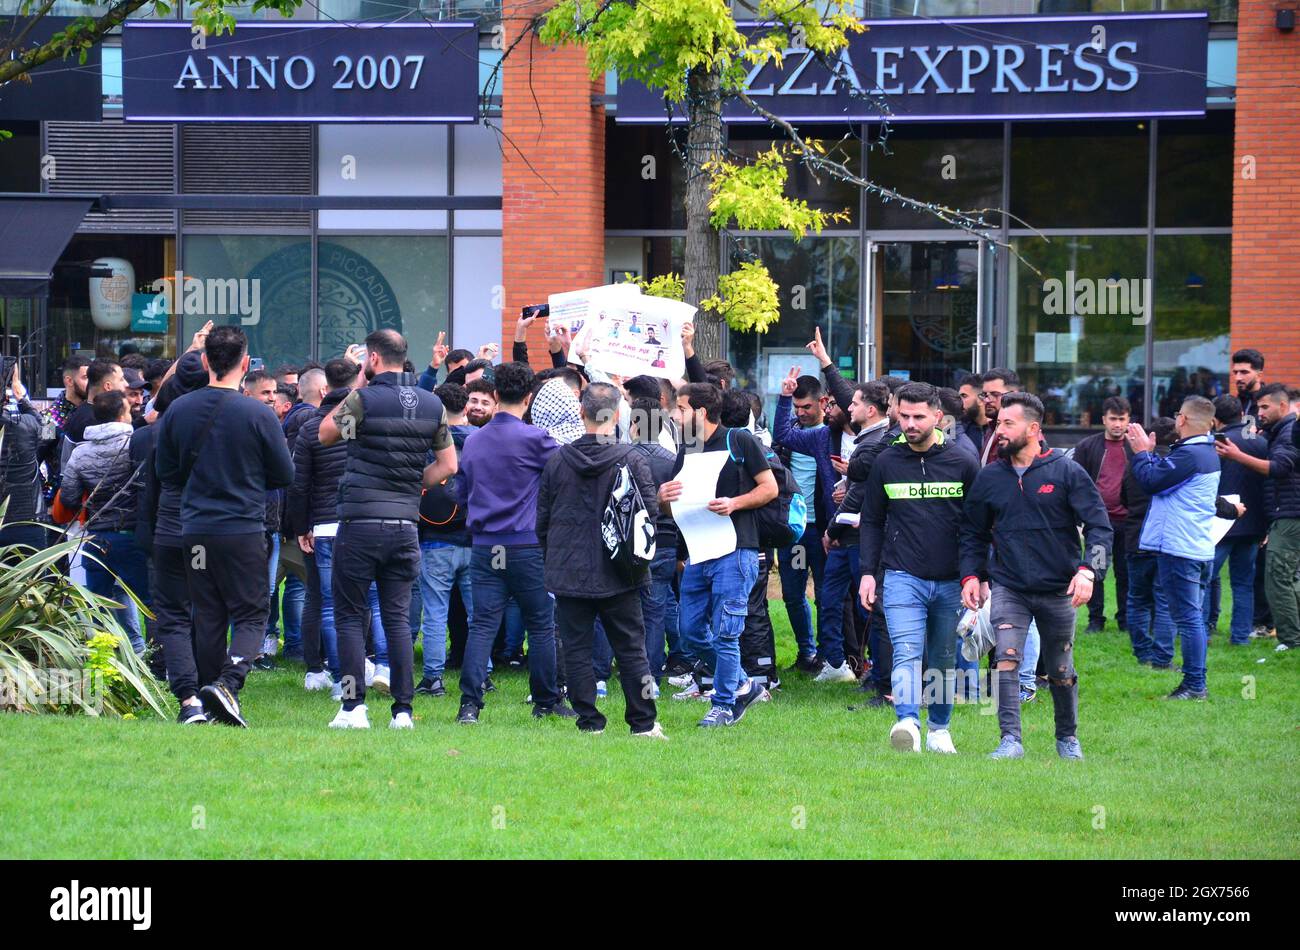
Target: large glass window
<point>370,282</point>
<point>1079,174</point>
<point>378,159</point>
<point>1193,305</point>
<point>929,306</point>
<point>1194,171</point>
<point>953,166</point>
<point>261,282</point>
<point>645,182</point>
<point>1077,322</point>
<point>105,315</point>
<point>479,293</point>
<point>819,285</point>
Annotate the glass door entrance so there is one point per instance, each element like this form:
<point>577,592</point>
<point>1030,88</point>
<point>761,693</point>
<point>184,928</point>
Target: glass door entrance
<point>928,310</point>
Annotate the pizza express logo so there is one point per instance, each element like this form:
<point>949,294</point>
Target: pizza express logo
<point>354,298</point>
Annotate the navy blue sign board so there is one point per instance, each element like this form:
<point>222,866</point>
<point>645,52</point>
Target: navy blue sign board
<point>956,69</point>
<point>301,72</point>
<point>60,89</point>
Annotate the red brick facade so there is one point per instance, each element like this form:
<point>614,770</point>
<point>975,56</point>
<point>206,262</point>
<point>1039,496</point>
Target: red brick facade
<point>553,198</point>
<point>1265,209</point>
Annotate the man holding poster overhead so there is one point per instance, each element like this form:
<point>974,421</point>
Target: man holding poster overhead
<point>720,474</point>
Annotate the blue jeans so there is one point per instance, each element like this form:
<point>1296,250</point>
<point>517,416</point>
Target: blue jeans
<point>1240,554</point>
<point>329,634</point>
<point>839,572</point>
<point>714,604</point>
<point>272,568</point>
<point>123,557</point>
<point>1150,629</point>
<point>442,567</point>
<point>922,617</point>
<point>1184,582</point>
<point>794,585</point>
<point>1029,661</point>
<point>295,595</point>
<point>515,630</point>
<point>496,573</point>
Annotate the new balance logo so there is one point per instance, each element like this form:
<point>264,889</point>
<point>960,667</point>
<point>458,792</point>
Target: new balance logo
<point>1046,489</point>
<point>900,491</point>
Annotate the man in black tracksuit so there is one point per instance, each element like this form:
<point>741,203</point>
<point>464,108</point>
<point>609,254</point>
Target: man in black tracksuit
<point>911,506</point>
<point>389,427</point>
<point>1029,505</point>
<point>225,452</point>
<point>571,499</point>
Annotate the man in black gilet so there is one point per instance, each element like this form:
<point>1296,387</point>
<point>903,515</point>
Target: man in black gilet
<point>389,426</point>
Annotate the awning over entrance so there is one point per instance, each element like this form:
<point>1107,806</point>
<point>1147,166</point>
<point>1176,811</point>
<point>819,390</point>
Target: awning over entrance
<point>34,231</point>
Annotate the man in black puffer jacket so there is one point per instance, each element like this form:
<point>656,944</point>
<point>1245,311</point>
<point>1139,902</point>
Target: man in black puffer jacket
<point>312,518</point>
<point>572,494</point>
<point>19,479</point>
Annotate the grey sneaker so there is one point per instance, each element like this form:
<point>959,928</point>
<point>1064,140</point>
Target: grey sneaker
<point>1008,748</point>
<point>1069,748</point>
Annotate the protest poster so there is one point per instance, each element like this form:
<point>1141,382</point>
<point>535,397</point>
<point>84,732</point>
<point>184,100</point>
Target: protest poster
<point>574,309</point>
<point>639,337</point>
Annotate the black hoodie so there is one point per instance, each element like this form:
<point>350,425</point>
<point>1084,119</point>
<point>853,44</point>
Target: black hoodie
<point>1032,521</point>
<point>911,509</point>
<point>571,499</point>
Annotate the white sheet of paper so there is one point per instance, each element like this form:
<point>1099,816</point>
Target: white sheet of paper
<point>1044,347</point>
<point>1067,348</point>
<point>1221,525</point>
<point>708,535</point>
<point>852,518</point>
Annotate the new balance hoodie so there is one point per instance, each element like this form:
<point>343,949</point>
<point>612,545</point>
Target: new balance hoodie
<point>911,509</point>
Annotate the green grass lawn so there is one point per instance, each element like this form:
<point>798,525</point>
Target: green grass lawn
<point>802,776</point>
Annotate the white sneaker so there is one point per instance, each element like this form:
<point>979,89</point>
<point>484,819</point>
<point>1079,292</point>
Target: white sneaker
<point>655,733</point>
<point>939,740</point>
<point>682,680</point>
<point>269,645</point>
<point>1281,648</point>
<point>836,674</point>
<point>602,689</point>
<point>317,681</point>
<point>370,673</point>
<point>380,678</point>
<point>401,721</point>
<point>905,736</point>
<point>689,691</point>
<point>356,719</point>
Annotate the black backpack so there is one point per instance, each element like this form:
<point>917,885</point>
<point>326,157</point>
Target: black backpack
<point>626,526</point>
<point>438,510</point>
<point>783,520</point>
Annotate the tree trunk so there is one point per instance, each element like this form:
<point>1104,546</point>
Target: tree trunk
<point>703,144</point>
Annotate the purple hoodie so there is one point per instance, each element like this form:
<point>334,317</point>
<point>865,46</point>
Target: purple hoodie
<point>501,466</point>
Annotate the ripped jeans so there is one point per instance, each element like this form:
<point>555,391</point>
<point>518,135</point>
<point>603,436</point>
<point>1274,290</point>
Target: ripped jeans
<point>714,603</point>
<point>1011,612</point>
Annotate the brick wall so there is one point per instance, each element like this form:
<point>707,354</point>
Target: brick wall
<point>1266,210</point>
<point>553,199</point>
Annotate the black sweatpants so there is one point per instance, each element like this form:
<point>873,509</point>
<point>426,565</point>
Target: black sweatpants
<point>226,574</point>
<point>620,615</point>
<point>171,627</point>
<point>758,639</point>
<point>1118,570</point>
<point>388,554</point>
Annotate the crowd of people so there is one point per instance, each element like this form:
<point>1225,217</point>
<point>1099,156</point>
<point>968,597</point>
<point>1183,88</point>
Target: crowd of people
<point>360,506</point>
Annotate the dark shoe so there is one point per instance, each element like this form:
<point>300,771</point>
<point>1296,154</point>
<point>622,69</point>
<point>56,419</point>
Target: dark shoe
<point>755,693</point>
<point>1162,667</point>
<point>559,710</point>
<point>878,700</point>
<point>807,664</point>
<point>468,714</point>
<point>517,662</point>
<point>489,686</point>
<point>192,716</point>
<point>431,687</point>
<point>678,667</point>
<point>264,662</point>
<point>1182,692</point>
<point>295,657</point>
<point>222,705</point>
<point>1095,628</point>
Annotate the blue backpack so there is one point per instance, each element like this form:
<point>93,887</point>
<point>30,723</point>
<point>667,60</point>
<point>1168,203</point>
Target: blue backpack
<point>783,520</point>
